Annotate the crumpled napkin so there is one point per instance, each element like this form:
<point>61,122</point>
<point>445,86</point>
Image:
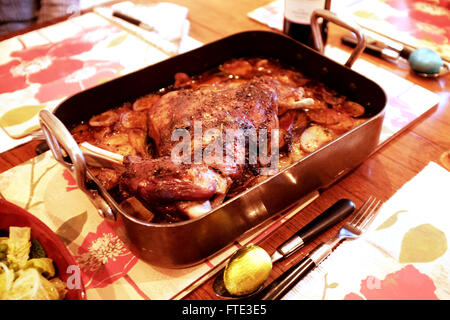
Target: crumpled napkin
<point>403,256</point>
<point>170,23</point>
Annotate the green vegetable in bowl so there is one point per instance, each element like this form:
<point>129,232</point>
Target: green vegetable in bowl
<point>18,246</point>
<point>25,271</point>
<point>37,250</point>
<point>43,265</point>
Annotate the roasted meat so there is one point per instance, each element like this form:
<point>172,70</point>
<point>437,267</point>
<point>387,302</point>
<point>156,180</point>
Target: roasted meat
<point>178,188</point>
<point>161,180</point>
<point>231,105</point>
<point>183,144</point>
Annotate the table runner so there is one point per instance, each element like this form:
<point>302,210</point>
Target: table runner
<point>404,255</point>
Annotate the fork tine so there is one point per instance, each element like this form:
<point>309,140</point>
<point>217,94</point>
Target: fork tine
<point>369,218</point>
<point>364,213</point>
<point>360,211</point>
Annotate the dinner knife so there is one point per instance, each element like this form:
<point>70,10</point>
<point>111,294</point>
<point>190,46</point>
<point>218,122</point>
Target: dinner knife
<point>380,49</point>
<point>280,286</point>
<point>333,215</point>
<point>133,20</point>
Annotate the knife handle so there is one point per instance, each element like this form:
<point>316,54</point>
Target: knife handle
<point>288,279</point>
<point>406,52</point>
<point>374,50</point>
<point>126,17</point>
<point>333,215</point>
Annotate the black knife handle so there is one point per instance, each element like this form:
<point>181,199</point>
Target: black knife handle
<point>406,52</point>
<point>286,281</point>
<point>333,215</point>
<point>126,18</point>
<point>370,48</point>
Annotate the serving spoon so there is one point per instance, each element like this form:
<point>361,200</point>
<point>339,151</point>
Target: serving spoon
<point>331,216</point>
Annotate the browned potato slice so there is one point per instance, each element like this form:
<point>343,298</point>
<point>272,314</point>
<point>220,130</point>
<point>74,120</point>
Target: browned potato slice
<point>118,143</point>
<point>181,80</point>
<point>314,137</point>
<point>325,116</point>
<point>210,79</point>
<point>296,150</point>
<point>345,123</point>
<point>241,68</point>
<point>264,64</point>
<point>81,132</point>
<point>134,119</point>
<point>291,78</point>
<point>352,108</point>
<point>331,97</point>
<point>145,102</point>
<point>104,119</point>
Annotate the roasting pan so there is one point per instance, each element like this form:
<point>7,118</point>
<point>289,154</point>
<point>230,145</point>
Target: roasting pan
<point>187,243</point>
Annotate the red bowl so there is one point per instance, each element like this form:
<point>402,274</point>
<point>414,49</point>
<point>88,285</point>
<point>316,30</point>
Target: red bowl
<point>12,215</point>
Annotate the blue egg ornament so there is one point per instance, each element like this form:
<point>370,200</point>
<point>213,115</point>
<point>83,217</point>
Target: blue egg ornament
<point>424,60</point>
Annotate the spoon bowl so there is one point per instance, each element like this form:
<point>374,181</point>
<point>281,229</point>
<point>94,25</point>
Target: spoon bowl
<point>221,291</point>
<point>444,70</point>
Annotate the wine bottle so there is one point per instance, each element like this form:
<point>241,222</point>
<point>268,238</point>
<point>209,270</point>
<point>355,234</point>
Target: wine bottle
<point>297,15</point>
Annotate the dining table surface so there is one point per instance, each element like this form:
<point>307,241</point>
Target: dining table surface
<point>380,175</point>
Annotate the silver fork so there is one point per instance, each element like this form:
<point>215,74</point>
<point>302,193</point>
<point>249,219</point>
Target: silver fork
<point>360,221</point>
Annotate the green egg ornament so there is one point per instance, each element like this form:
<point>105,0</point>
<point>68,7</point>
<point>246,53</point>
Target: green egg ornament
<point>424,60</point>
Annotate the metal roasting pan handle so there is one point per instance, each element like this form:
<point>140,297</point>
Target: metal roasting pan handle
<point>330,16</point>
<point>61,143</point>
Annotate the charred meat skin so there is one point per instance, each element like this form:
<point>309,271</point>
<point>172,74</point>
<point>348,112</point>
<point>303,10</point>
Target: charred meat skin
<point>231,105</point>
<point>162,181</point>
<point>234,105</point>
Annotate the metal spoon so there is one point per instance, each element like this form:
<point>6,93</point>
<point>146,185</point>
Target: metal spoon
<point>333,215</point>
<point>444,70</point>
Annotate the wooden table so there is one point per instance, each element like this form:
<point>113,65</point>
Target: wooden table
<point>381,175</point>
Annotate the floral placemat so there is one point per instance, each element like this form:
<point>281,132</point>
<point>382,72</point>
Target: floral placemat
<point>41,68</point>
<point>109,270</point>
<point>416,23</point>
<point>404,255</point>
<point>168,21</point>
